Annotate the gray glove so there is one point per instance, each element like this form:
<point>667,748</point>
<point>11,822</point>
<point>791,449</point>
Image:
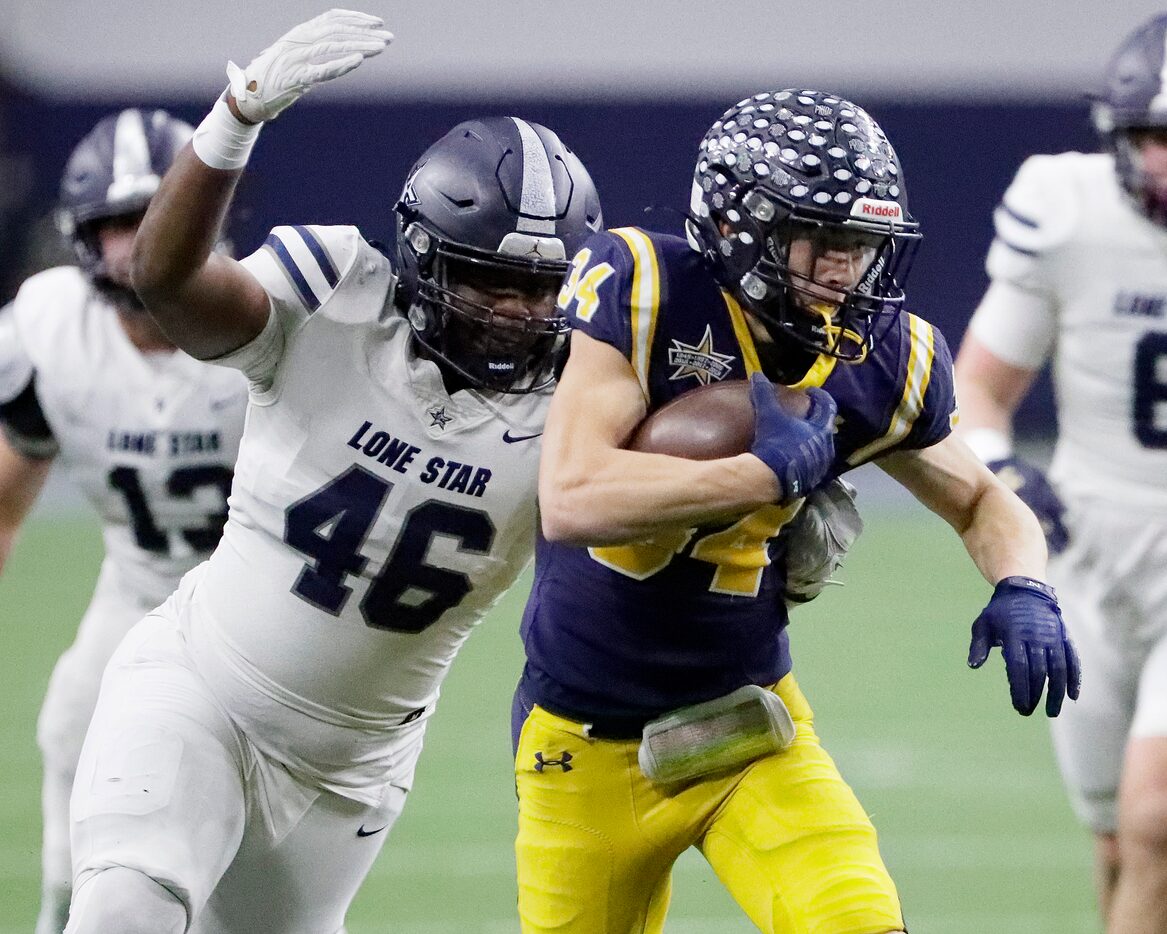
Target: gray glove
<point>818,539</point>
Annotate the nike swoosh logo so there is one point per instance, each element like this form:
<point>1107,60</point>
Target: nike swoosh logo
<point>511,439</point>
<point>368,833</point>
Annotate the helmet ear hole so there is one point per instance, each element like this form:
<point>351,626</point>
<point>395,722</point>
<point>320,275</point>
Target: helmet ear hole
<point>423,245</point>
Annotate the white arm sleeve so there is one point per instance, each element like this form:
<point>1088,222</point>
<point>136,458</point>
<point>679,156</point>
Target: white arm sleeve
<point>1016,325</point>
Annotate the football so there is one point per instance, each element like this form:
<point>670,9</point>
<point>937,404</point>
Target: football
<point>710,421</point>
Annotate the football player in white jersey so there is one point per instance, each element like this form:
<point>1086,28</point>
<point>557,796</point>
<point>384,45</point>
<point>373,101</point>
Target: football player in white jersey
<point>256,736</point>
<point>1079,276</point>
<point>149,435</point>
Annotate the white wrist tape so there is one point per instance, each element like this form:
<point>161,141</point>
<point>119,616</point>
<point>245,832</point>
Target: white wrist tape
<point>989,444</point>
<point>222,141</point>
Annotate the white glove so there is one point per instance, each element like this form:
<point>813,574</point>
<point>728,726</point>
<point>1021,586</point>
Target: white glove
<point>819,538</point>
<point>326,47</point>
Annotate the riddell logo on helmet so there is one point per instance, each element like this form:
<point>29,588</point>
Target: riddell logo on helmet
<point>869,207</point>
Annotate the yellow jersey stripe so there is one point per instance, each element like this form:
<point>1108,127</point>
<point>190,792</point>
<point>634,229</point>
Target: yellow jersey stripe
<point>923,348</point>
<point>815,376</point>
<point>818,372</point>
<point>745,339</point>
<point>645,299</point>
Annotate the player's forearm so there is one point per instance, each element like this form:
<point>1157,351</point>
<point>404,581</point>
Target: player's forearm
<point>999,532</point>
<point>21,480</point>
<point>204,301</point>
<point>627,496</point>
<point>1004,538</point>
<point>980,409</point>
<point>986,423</point>
<point>989,389</point>
<point>178,234</point>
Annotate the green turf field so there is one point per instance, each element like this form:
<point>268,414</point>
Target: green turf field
<point>973,822</point>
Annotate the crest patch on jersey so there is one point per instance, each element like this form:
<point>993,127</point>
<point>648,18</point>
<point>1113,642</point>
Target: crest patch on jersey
<point>699,360</point>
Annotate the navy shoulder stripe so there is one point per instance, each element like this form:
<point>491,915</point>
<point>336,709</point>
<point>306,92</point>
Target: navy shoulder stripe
<point>1020,218</point>
<point>306,294</point>
<point>321,254</point>
<point>1018,249</point>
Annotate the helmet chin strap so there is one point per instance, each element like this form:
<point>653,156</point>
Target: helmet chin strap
<point>837,335</point>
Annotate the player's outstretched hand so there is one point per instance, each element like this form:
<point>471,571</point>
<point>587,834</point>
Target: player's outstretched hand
<point>1024,619</point>
<point>1034,490</point>
<point>800,451</point>
<point>326,47</point>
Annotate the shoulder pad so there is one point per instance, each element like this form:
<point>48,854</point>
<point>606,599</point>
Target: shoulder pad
<point>62,288</point>
<point>47,305</point>
<point>304,264</point>
<point>1043,205</point>
<point>605,259</point>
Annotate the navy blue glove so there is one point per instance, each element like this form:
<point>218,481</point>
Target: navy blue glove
<point>1024,619</point>
<point>1034,490</point>
<point>800,451</point>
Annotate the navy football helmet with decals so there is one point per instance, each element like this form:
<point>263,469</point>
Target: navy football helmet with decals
<point>496,206</point>
<point>1134,98</point>
<point>795,165</point>
<point>114,172</point>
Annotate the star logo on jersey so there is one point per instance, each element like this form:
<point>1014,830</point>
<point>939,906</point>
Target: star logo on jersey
<point>439,418</point>
<point>699,360</point>
<point>563,761</point>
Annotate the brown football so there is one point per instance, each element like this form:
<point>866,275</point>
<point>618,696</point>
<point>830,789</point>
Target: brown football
<point>710,421</point>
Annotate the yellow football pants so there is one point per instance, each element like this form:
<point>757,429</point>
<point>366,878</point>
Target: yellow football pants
<point>785,834</point>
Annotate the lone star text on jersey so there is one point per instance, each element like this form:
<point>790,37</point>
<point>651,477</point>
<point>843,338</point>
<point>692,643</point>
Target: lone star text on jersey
<point>172,443</point>
<point>402,457</point>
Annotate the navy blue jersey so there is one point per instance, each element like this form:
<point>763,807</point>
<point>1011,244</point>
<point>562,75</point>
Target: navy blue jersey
<point>631,631</point>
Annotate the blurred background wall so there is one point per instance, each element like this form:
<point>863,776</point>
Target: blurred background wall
<point>965,91</point>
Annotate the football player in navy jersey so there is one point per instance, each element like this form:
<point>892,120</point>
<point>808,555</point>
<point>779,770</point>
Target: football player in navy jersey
<point>1079,278</point>
<point>657,709</point>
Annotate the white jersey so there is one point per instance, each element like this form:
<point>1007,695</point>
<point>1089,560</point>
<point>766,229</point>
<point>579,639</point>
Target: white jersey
<point>1089,273</point>
<point>149,438</point>
<point>375,519</point>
